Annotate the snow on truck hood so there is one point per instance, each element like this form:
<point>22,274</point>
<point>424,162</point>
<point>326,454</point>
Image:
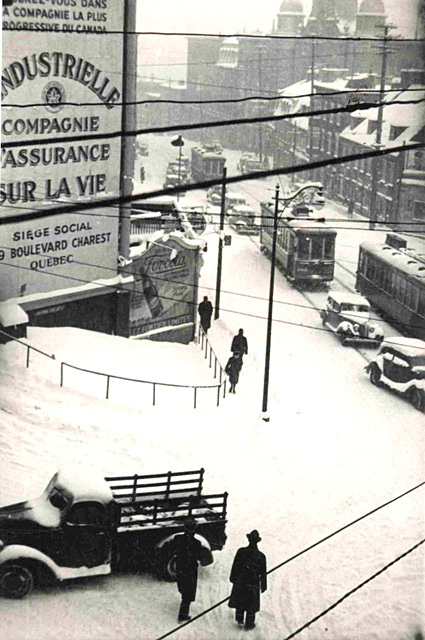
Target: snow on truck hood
<point>29,515</point>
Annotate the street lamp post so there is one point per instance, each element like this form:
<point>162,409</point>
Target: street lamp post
<point>317,186</point>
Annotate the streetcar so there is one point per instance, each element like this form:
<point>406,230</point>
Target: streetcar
<point>206,164</point>
<point>392,278</point>
<point>305,247</point>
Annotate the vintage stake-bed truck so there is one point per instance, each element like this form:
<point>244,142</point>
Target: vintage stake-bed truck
<point>87,525</point>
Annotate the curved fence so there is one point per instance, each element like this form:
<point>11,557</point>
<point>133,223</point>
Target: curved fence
<point>220,387</point>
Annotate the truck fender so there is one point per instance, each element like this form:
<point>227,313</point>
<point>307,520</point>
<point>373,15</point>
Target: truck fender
<point>21,552</point>
<point>345,327</point>
<point>207,557</point>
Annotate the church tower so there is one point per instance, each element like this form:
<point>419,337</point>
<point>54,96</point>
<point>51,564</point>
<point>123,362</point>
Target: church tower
<point>323,20</point>
<point>290,19</point>
<point>370,17</point>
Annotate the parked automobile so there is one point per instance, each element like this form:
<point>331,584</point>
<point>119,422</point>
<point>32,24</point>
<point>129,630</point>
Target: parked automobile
<point>86,525</point>
<point>242,218</point>
<point>349,316</point>
<point>214,195</point>
<point>234,199</point>
<point>400,365</point>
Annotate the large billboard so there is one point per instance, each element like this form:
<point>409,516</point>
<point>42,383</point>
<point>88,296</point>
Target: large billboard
<point>61,77</point>
<point>165,286</point>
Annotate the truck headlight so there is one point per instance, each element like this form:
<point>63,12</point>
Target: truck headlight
<point>372,329</point>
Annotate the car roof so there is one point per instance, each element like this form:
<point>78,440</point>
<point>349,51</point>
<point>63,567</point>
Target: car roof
<point>243,208</point>
<point>235,195</point>
<point>410,347</point>
<point>350,298</point>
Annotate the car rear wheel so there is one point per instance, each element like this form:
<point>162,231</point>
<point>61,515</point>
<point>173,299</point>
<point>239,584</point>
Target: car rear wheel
<point>375,375</point>
<point>16,580</point>
<point>417,399</point>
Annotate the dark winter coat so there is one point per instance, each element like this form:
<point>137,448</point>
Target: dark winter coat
<point>188,555</point>
<point>205,310</point>
<point>249,577</point>
<point>233,368</point>
<point>239,343</point>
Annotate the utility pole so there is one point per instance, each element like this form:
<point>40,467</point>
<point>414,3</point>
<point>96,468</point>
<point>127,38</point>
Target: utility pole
<point>260,91</point>
<point>376,160</point>
<point>311,120</point>
<point>128,124</point>
<point>265,415</point>
<point>220,248</point>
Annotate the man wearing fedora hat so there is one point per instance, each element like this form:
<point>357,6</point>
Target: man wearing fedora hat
<point>249,578</point>
<point>188,555</point>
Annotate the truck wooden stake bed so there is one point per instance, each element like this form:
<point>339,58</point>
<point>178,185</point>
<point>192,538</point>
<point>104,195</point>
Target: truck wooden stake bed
<point>86,525</point>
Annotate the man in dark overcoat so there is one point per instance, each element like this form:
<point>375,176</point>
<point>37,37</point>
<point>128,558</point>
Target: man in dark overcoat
<point>240,344</point>
<point>249,577</point>
<point>188,555</point>
<point>205,310</point>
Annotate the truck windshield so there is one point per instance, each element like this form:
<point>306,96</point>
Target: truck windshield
<point>57,499</point>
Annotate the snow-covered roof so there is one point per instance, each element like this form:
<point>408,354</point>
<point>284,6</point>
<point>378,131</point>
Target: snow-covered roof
<point>12,314</point>
<point>411,347</point>
<point>90,288</point>
<point>290,103</point>
<point>348,298</point>
<point>83,483</point>
<point>408,116</point>
<point>243,208</point>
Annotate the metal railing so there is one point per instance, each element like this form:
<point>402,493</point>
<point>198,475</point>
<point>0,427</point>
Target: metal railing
<point>28,347</point>
<point>111,376</point>
<point>206,347</point>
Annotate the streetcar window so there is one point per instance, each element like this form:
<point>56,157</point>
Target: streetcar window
<point>370,269</point>
<point>329,248</point>
<point>414,298</point>
<point>317,248</point>
<point>304,247</point>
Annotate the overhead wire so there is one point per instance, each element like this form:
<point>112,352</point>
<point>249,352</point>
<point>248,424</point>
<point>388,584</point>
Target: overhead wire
<point>95,204</point>
<point>256,36</point>
<point>352,591</point>
<point>220,123</point>
<point>256,98</point>
<point>297,555</point>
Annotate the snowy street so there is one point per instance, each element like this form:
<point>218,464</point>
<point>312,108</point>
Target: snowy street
<point>335,448</point>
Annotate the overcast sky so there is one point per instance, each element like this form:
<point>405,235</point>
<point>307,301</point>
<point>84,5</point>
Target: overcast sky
<point>165,56</point>
<point>234,15</point>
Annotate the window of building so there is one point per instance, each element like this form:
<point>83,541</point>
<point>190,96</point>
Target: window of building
<point>419,210</point>
<point>396,131</point>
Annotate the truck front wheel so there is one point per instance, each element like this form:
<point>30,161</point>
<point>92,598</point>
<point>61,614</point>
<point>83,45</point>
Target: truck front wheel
<point>167,563</point>
<point>16,580</point>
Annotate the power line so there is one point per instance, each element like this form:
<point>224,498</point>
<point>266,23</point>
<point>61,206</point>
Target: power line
<point>203,125</point>
<point>84,206</point>
<point>218,604</point>
<point>350,593</point>
<point>298,38</point>
<point>256,98</point>
<point>173,299</point>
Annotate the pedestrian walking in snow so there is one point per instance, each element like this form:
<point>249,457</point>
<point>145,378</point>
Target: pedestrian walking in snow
<point>233,369</point>
<point>240,345</point>
<point>188,555</point>
<point>205,310</point>
<point>249,578</point>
